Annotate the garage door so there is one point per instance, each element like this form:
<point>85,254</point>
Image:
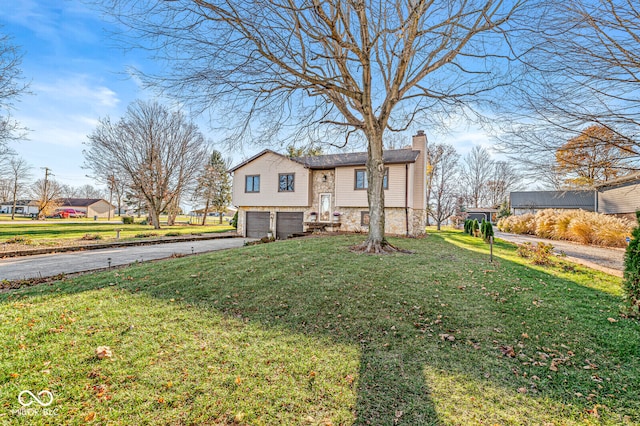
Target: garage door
<point>288,223</point>
<point>257,224</point>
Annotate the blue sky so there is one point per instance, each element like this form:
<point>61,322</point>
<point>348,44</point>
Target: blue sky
<point>77,74</point>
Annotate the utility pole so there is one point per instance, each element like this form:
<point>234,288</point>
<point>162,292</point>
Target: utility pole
<point>45,195</point>
<point>111,185</point>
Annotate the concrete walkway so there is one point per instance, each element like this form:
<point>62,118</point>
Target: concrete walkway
<point>609,260</point>
<point>49,265</point>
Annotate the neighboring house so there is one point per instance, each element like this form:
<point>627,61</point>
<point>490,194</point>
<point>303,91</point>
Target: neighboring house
<point>620,197</point>
<point>532,201</point>
<point>91,206</point>
<point>276,193</point>
<point>23,207</point>
<point>488,214</point>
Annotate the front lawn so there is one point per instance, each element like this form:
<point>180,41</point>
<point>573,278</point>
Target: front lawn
<point>306,332</point>
<point>51,231</point>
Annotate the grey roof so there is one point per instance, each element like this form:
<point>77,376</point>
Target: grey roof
<point>331,161</point>
<point>582,199</point>
<point>78,202</point>
<point>20,203</point>
<point>630,178</point>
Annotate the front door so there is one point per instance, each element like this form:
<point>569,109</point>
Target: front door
<point>325,208</point>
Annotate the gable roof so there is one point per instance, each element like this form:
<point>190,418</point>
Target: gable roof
<point>78,202</point>
<point>624,179</point>
<point>20,203</point>
<point>581,199</point>
<point>331,161</point>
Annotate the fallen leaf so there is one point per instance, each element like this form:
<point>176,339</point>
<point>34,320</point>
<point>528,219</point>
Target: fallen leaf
<point>89,417</point>
<point>522,390</point>
<point>103,352</point>
<point>508,351</point>
<point>612,320</point>
<point>238,380</point>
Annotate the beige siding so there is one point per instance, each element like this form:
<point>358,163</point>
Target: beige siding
<point>348,196</point>
<point>269,166</point>
<point>622,199</point>
<point>100,209</point>
<point>419,183</point>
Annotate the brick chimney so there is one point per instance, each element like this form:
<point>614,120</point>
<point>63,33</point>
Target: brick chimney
<point>419,143</point>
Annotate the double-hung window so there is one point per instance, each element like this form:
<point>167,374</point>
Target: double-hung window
<point>285,182</point>
<point>252,183</point>
<point>361,179</point>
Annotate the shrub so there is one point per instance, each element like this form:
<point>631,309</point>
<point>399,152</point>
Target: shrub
<point>573,225</point>
<point>631,282</point>
<point>545,221</point>
<point>488,231</point>
<point>539,254</point>
<point>612,231</point>
<point>475,226</point>
<point>20,239</point>
<point>146,235</point>
<point>234,220</point>
<point>91,237</point>
<point>561,228</point>
<point>127,220</point>
<point>172,234</point>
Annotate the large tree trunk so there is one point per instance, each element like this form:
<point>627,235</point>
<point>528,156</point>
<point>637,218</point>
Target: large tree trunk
<point>376,242</point>
<point>206,212</point>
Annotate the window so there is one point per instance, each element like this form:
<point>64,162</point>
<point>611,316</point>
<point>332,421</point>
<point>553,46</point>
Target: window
<point>285,182</point>
<point>252,183</point>
<point>361,179</point>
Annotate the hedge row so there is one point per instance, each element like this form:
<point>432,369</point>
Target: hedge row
<point>573,225</point>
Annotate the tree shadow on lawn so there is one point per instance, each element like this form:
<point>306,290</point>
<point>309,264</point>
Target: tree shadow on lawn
<point>445,337</point>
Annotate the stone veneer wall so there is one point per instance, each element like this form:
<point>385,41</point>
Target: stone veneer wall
<point>350,217</point>
<point>395,221</point>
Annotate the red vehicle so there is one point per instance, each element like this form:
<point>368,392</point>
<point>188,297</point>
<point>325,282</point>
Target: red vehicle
<point>67,213</point>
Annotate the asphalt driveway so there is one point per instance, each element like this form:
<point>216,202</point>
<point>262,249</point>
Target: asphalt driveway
<point>610,260</point>
<point>49,265</point>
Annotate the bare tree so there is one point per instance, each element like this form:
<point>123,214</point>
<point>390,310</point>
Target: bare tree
<point>444,178</point>
<point>157,150</point>
<point>89,191</point>
<point>47,192</point>
<point>117,187</point>
<point>10,89</point>
<point>214,186</point>
<point>477,167</point>
<point>20,172</point>
<point>504,178</point>
<point>586,73</point>
<point>346,67</point>
<point>5,188</point>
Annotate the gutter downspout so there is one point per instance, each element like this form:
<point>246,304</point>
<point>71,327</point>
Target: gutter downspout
<point>406,197</point>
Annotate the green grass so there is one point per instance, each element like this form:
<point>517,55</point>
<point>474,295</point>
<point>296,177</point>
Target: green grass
<point>55,230</point>
<point>306,332</point>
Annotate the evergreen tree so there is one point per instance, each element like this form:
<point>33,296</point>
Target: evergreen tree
<point>632,269</point>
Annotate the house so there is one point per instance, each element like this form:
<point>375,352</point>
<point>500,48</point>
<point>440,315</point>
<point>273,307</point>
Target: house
<point>277,193</point>
<point>23,207</point>
<point>488,214</point>
<point>93,207</point>
<point>532,201</point>
<point>620,197</point>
